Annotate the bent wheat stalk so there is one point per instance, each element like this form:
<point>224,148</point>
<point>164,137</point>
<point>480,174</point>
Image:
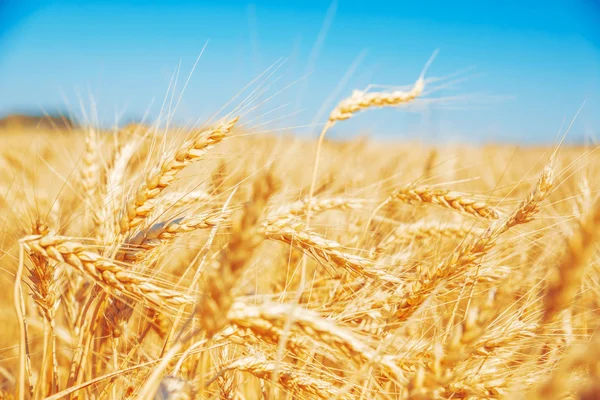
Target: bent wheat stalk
<point>362,100</point>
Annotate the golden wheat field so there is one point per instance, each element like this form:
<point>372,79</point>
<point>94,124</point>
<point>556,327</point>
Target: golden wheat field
<point>223,263</point>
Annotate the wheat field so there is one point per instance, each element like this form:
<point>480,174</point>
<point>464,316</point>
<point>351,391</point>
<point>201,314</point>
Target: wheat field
<point>223,263</point>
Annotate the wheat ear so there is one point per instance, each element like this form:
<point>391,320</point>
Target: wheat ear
<point>361,100</point>
<point>461,202</point>
<point>102,270</point>
<point>137,248</point>
<point>472,251</point>
<point>90,172</point>
<point>164,173</point>
<point>44,276</point>
<point>316,246</point>
<point>288,376</point>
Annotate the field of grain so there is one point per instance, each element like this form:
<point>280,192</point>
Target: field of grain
<point>217,262</point>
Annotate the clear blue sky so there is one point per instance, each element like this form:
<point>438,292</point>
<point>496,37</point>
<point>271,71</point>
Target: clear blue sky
<point>534,62</point>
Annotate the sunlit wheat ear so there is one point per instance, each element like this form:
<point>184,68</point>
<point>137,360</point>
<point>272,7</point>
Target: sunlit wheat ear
<point>531,205</point>
<point>140,247</point>
<point>141,203</point>
<point>461,202</point>
<point>361,100</point>
<point>268,332</point>
<point>90,172</point>
<point>113,191</point>
<point>102,270</point>
<point>585,200</point>
<point>44,276</point>
<point>317,246</point>
<point>45,289</point>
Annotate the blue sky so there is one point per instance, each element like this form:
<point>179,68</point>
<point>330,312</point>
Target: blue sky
<point>527,66</point>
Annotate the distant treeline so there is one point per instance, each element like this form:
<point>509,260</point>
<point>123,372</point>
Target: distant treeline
<point>63,122</point>
<point>37,121</point>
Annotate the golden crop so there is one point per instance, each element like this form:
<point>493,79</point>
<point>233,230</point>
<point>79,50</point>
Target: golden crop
<point>214,263</point>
